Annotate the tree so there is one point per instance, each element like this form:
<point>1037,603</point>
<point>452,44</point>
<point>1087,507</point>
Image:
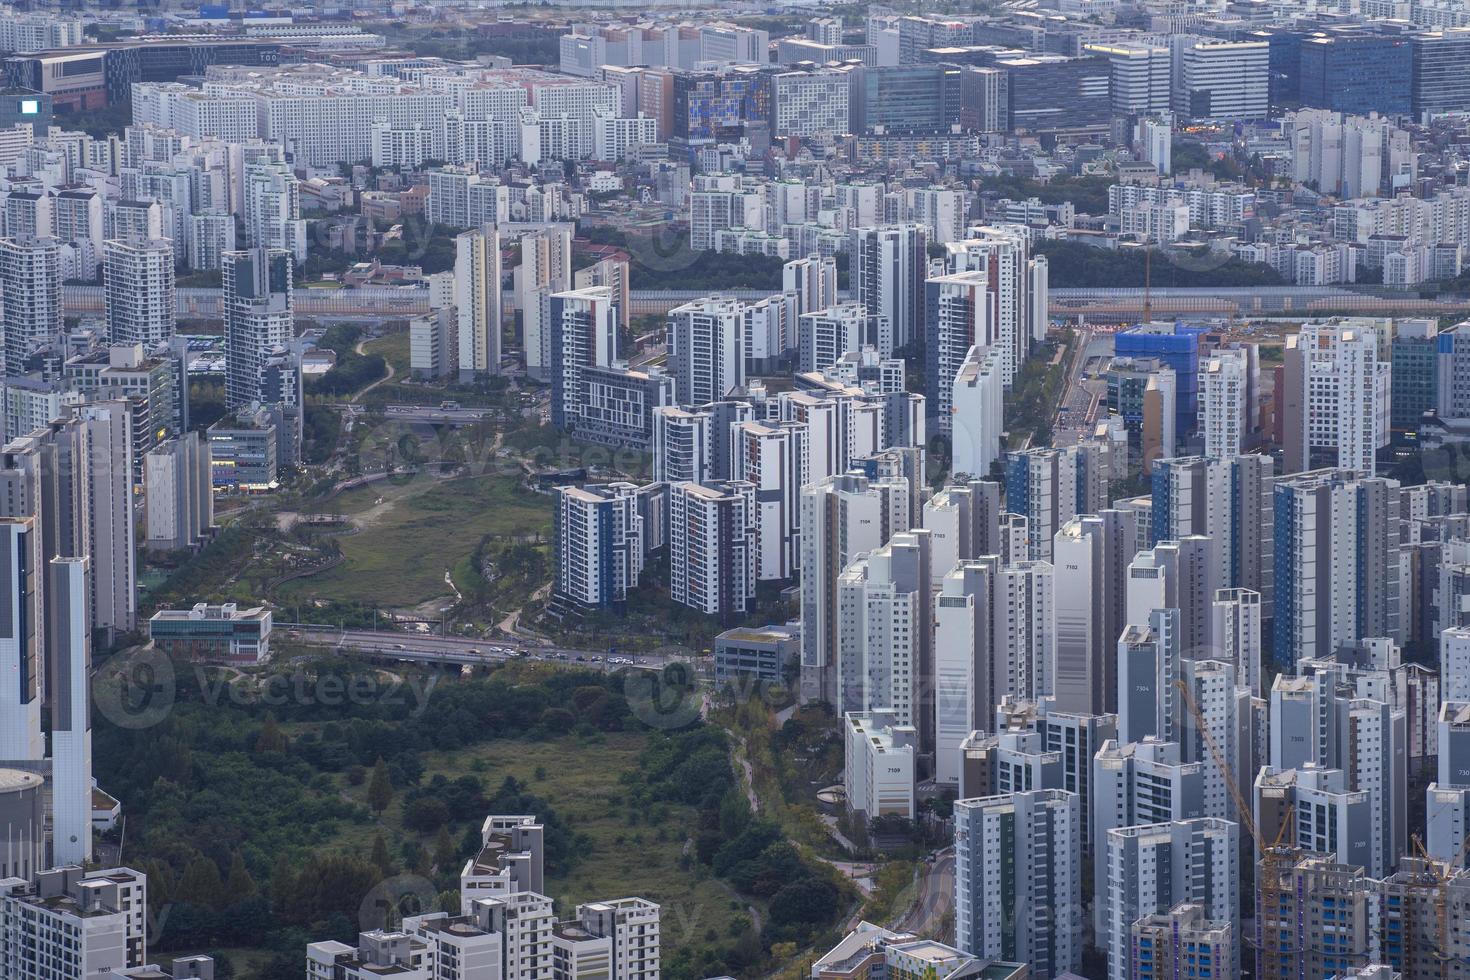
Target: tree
<point>444,853</point>
<point>271,738</point>
<point>239,885</point>
<point>380,788</point>
<point>381,859</point>
<point>201,883</point>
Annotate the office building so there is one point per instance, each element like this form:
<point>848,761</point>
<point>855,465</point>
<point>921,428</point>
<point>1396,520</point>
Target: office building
<point>1221,79</point>
<point>1414,373</point>
<point>1437,84</point>
<point>1138,76</point>
<point>810,103</point>
<point>1020,851</point>
<point>769,655</point>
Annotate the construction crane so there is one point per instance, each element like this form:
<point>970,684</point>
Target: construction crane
<point>1442,872</point>
<point>1270,877</point>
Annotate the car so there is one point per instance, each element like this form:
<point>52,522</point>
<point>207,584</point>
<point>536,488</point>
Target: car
<point>581,660</point>
<point>475,651</point>
<point>399,646</point>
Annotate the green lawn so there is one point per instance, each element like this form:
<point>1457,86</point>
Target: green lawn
<point>414,533</point>
<point>625,853</point>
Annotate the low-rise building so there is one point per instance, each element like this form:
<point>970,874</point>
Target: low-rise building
<point>223,633</point>
<point>765,653</point>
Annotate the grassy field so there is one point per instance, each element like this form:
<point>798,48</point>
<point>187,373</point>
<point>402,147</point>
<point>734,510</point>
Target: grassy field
<point>394,350</point>
<point>624,854</point>
<point>412,534</point>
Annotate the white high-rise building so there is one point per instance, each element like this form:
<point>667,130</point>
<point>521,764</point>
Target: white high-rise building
<point>1448,798</point>
<point>885,608</point>
<point>960,317</point>
<point>71,731</point>
<point>1151,868</point>
<point>1041,485</point>
<point>1018,879</point>
<point>1454,663</point>
<point>1139,783</point>
<point>842,517</point>
<point>889,265</point>
<point>477,299</point>
<point>21,657</point>
<point>706,346</point>
<point>1223,403</point>
<point>599,543</point>
<point>1221,79</point>
<point>814,281</point>
<point>584,325</point>
<point>112,576</point>
<point>1235,624</point>
<point>1344,389</point>
<point>139,279</point>
<point>30,281</point>
<point>772,459</point>
<point>73,923</point>
<point>273,209</point>
<point>712,546</point>
<point>258,319</point>
<point>545,268</point>
<point>1017,282</point>
<point>681,445</point>
<point>977,403</point>
<point>825,334</point>
<point>1028,629</point>
<point>1138,75</point>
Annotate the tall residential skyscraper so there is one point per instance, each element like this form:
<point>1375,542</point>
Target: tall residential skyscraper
<point>1018,879</point>
<point>889,265</point>
<point>1336,563</point>
<point>112,574</point>
<point>139,278</point>
<point>272,209</point>
<point>1149,869</point>
<point>814,281</point>
<point>841,517</point>
<point>546,268</point>
<point>959,315</point>
<point>258,315</point>
<point>712,547</point>
<point>30,281</point>
<point>599,543</point>
<point>772,458</point>
<point>1336,395</point>
<point>584,334</point>
<point>681,445</point>
<point>706,350</point>
<point>21,659</point>
<point>1224,402</point>
<point>477,298</point>
<point>1017,282</point>
<point>71,726</point>
<point>1228,499</point>
<point>884,658</point>
<point>1041,485</point>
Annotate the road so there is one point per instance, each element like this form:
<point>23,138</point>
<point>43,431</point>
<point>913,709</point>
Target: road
<point>457,650</point>
<point>1077,409</point>
<point>933,900</point>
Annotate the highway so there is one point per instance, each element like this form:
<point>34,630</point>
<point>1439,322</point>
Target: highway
<point>427,648</point>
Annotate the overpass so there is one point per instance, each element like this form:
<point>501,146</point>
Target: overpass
<point>459,651</point>
<point>390,302</point>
